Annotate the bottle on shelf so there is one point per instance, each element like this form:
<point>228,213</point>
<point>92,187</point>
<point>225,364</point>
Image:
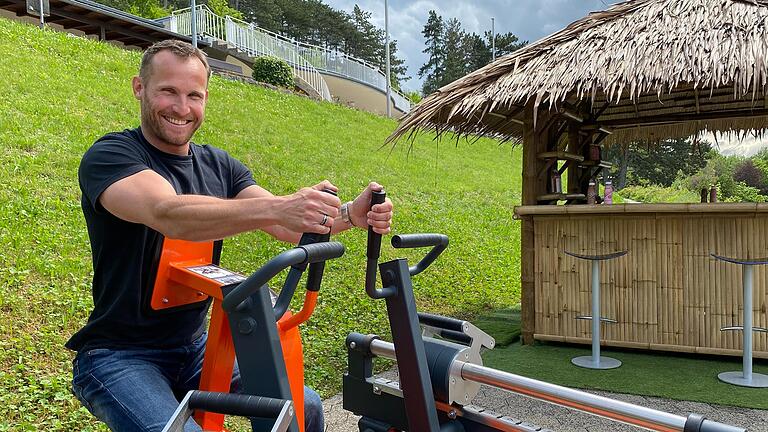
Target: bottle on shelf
<point>555,182</point>
<point>608,199</point>
<point>591,192</point>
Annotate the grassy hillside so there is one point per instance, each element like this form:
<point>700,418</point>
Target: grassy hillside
<point>59,93</point>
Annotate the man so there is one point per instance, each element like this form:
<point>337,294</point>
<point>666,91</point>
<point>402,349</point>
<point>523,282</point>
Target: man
<point>145,184</point>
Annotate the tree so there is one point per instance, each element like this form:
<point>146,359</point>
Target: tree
<point>222,8</point>
<point>366,43</point>
<point>454,53</point>
<point>454,66</point>
<point>432,70</point>
<point>476,52</point>
<point>749,174</point>
<point>144,8</point>
<point>506,43</point>
<point>658,163</point>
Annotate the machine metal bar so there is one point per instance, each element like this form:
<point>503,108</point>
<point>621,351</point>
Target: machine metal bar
<point>592,404</point>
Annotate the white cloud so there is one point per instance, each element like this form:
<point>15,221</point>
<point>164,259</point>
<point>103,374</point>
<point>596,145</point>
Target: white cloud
<point>731,145</point>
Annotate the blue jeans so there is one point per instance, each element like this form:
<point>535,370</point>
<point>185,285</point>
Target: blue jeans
<point>139,389</point>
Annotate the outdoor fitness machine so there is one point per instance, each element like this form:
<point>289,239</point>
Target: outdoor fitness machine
<point>247,323</point>
<point>440,377</point>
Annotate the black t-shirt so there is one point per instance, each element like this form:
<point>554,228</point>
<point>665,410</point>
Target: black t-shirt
<point>123,252</point>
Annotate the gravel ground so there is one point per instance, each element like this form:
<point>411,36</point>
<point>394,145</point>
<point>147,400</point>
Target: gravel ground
<point>562,419</point>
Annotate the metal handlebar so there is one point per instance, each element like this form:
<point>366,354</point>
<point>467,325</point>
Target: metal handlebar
<point>438,241</point>
<point>299,255</point>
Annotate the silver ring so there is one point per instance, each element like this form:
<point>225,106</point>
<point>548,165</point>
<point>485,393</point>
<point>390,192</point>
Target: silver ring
<point>325,219</point>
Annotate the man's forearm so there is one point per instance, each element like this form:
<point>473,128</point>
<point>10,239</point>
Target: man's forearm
<point>201,218</point>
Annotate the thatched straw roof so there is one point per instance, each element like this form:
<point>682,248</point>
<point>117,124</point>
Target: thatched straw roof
<point>643,69</point>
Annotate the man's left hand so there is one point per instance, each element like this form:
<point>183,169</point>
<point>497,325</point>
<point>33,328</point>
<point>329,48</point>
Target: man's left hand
<point>379,216</point>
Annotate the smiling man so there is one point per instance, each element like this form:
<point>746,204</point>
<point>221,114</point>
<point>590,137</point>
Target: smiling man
<point>142,185</point>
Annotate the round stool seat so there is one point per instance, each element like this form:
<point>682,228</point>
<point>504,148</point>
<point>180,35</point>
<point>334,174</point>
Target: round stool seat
<point>742,261</point>
<point>596,257</point>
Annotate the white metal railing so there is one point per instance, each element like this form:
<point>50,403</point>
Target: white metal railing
<point>305,59</point>
<point>245,37</point>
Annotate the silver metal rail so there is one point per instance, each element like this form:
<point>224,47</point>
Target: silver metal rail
<point>305,59</point>
<point>623,412</point>
<point>247,38</point>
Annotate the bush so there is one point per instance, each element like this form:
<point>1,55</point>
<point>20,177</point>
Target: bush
<point>273,71</point>
<point>659,194</point>
<point>745,193</point>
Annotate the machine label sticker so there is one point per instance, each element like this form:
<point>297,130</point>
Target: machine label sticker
<point>218,274</point>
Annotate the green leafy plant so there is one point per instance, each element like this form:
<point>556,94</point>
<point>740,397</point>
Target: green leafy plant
<point>272,70</point>
<point>222,8</point>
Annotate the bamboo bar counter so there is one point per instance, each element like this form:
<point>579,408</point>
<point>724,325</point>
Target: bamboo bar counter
<point>628,75</point>
<point>668,293</point>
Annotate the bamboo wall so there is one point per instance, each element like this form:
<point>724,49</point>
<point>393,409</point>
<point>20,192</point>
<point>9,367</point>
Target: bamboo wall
<point>668,293</point>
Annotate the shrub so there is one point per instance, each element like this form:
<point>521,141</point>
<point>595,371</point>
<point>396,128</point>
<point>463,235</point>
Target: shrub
<point>273,71</point>
<point>659,194</point>
<point>745,193</point>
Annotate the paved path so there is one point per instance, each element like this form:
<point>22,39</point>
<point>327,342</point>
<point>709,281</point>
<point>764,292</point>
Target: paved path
<point>561,419</point>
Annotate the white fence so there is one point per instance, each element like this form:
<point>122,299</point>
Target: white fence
<point>305,59</point>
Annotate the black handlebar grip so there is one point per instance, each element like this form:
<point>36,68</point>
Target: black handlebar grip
<point>419,240</point>
<point>236,404</point>
<point>374,239</point>
<point>318,252</point>
<point>442,322</point>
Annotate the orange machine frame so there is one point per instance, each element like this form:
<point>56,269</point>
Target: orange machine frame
<point>186,275</point>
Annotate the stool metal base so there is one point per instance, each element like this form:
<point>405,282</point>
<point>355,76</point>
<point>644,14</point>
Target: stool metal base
<point>737,378</point>
<point>602,363</point>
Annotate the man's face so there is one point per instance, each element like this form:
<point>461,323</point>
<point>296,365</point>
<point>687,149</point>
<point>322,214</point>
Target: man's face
<point>172,101</point>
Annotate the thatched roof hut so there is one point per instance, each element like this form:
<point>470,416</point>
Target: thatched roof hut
<point>642,70</point>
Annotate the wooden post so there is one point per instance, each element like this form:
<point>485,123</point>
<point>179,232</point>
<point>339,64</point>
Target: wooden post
<point>574,146</point>
<point>534,142</point>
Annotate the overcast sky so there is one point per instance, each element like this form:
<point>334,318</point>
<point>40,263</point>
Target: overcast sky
<point>527,19</point>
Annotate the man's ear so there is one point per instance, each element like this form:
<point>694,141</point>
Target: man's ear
<point>138,87</point>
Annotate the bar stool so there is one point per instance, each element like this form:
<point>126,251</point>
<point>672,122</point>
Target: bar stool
<point>745,377</point>
<point>595,361</point>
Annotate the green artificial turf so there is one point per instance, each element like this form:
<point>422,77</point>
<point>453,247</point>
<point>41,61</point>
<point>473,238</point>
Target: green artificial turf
<point>666,375</point>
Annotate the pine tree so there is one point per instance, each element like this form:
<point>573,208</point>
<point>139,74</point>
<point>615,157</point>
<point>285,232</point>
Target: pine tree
<point>433,69</point>
<point>476,53</point>
<point>454,66</point>
<point>505,43</point>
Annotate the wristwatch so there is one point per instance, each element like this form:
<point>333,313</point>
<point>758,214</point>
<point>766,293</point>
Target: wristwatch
<point>345,212</point>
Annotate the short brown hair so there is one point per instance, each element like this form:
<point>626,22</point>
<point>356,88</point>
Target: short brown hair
<point>179,48</point>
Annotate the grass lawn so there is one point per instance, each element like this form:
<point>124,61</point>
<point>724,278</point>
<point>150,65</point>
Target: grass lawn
<point>60,93</point>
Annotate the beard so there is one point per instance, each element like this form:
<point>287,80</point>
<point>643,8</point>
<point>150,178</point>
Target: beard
<point>154,121</point>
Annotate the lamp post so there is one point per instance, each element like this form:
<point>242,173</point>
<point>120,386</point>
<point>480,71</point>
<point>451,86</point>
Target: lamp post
<point>386,50</point>
<point>193,15</point>
<point>493,38</point>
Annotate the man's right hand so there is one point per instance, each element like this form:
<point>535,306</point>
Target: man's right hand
<point>310,209</point>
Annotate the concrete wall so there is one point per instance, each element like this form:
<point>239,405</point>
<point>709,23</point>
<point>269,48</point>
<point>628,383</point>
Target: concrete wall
<point>361,96</point>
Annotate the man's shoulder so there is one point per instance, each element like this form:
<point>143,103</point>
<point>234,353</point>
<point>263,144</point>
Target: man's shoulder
<point>127,136</point>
